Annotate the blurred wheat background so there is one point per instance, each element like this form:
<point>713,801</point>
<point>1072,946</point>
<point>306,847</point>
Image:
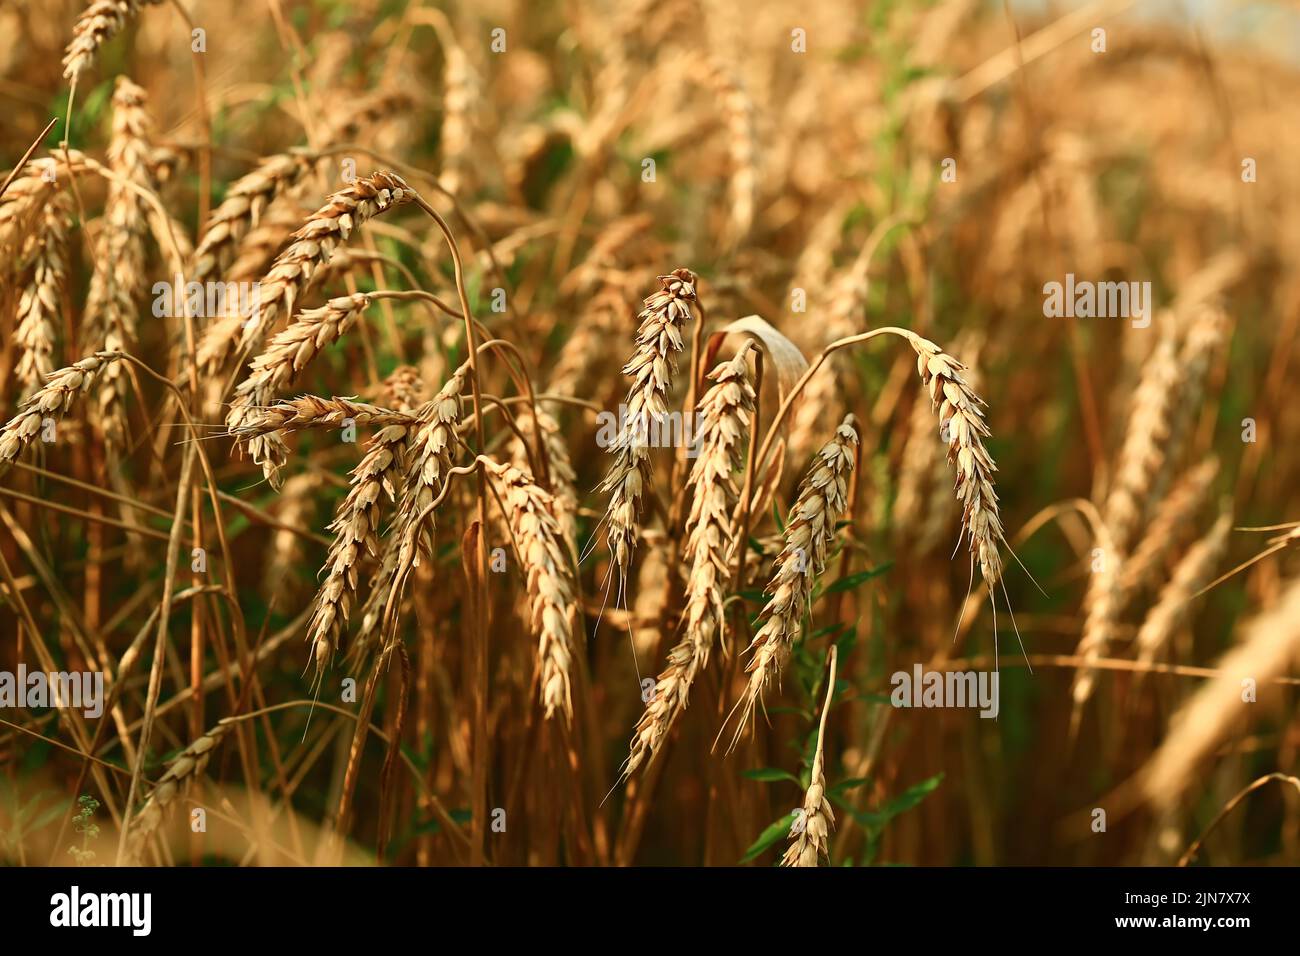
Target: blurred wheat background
<point>367,585</point>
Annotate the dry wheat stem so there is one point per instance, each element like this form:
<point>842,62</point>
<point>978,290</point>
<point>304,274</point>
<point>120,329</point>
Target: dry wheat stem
<point>726,411</point>
<point>823,498</point>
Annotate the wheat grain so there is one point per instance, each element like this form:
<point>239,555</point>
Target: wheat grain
<point>241,211</point>
<point>725,414</point>
<point>355,529</point>
<point>961,423</point>
<point>651,366</point>
<point>181,773</point>
<point>1143,452</point>
<point>49,405</point>
<point>36,331</point>
<point>98,23</point>
<point>1190,574</point>
<point>288,278</point>
<point>823,498</point>
<point>552,590</point>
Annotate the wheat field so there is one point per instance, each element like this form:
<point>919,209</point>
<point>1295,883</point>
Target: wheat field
<point>623,433</point>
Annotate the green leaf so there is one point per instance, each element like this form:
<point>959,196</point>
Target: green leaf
<point>875,821</point>
<point>768,837</point>
<point>856,580</point>
<point>851,783</point>
<point>770,775</point>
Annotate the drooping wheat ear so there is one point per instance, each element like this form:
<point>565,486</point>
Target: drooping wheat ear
<point>119,276</point>
<point>1143,451</point>
<point>559,466</point>
<point>355,528</point>
<point>811,832</point>
<point>1190,575</point>
<point>1269,648</point>
<point>1101,611</point>
<point>652,367</point>
<point>961,423</point>
<point>38,308</point>
<point>823,497</point>
<point>241,211</point>
<point>293,269</point>
<point>921,518</point>
<point>726,412</point>
<point>291,350</point>
<point>1174,513</point>
<point>312,411</point>
<point>181,774</point>
<point>530,511</point>
<point>99,22</point>
<point>50,402</point>
<point>431,455</point>
<point>26,196</point>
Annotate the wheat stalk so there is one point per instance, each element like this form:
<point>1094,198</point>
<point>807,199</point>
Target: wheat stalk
<point>119,276</point>
<point>810,841</point>
<point>289,352</point>
<point>725,414</point>
<point>1175,512</point>
<point>552,590</point>
<point>1101,610</point>
<point>284,284</point>
<point>651,366</point>
<point>823,498</point>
